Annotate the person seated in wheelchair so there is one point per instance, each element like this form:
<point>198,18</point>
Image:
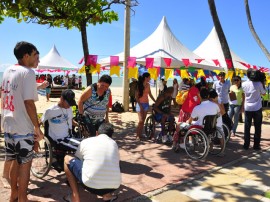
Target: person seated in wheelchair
<point>200,111</point>
<point>162,109</point>
<point>206,107</point>
<point>60,120</point>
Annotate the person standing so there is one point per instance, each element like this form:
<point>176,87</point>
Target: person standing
<point>95,166</point>
<point>132,90</point>
<point>236,102</point>
<point>93,104</point>
<point>253,110</point>
<point>19,117</point>
<point>142,105</point>
<point>175,91</point>
<point>49,87</point>
<point>223,87</point>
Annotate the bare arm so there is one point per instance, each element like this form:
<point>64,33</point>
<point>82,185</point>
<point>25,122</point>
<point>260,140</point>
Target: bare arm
<point>32,113</point>
<point>158,102</point>
<point>85,95</point>
<point>150,94</point>
<point>107,111</point>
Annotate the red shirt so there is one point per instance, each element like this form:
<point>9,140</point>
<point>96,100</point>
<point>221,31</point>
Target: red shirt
<point>192,100</point>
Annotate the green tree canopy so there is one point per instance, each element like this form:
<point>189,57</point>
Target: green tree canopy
<point>63,13</point>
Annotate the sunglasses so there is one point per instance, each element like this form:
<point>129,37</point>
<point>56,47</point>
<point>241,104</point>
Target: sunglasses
<point>236,80</point>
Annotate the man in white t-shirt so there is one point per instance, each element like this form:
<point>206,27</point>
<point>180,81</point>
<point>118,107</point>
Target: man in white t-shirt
<point>19,117</point>
<point>95,166</point>
<point>206,108</point>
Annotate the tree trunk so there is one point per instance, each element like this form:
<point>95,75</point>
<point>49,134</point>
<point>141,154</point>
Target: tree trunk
<point>86,53</point>
<point>252,30</point>
<point>220,33</point>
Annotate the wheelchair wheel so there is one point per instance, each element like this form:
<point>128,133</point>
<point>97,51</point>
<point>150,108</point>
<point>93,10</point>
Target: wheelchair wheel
<point>41,163</point>
<point>149,127</point>
<point>196,144</point>
<point>227,132</point>
<point>215,142</point>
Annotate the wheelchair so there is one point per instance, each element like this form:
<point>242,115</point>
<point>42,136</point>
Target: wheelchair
<point>152,123</point>
<point>48,156</point>
<point>201,140</point>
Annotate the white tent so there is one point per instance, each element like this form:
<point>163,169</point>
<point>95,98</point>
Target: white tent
<point>162,44</point>
<point>210,49</point>
<point>53,60</point>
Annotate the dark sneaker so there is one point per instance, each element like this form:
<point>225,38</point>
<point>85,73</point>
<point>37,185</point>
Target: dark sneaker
<point>245,147</point>
<point>258,148</point>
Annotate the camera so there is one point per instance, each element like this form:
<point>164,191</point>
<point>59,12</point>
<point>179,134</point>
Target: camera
<point>256,75</point>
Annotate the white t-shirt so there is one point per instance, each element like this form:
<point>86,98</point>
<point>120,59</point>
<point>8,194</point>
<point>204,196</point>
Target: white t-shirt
<point>60,120</point>
<point>18,85</point>
<point>100,157</point>
<point>204,109</point>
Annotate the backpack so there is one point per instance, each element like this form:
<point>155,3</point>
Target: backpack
<point>181,96</point>
<point>117,107</point>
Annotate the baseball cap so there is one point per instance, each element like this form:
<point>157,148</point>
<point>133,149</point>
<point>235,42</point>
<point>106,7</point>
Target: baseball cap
<point>69,96</point>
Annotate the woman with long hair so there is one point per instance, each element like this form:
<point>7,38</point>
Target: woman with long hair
<point>142,106</point>
<point>237,104</point>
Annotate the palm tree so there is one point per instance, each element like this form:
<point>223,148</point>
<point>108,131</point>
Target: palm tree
<point>252,30</point>
<point>220,33</point>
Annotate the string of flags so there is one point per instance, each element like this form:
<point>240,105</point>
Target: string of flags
<point>185,71</point>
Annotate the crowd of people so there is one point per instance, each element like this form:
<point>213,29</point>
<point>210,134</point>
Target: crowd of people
<point>95,162</point>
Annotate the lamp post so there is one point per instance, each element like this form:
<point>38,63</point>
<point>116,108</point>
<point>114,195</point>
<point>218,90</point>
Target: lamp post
<point>126,55</point>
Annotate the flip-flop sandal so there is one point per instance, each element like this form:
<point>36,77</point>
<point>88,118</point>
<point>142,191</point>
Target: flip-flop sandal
<point>67,198</point>
<point>114,198</point>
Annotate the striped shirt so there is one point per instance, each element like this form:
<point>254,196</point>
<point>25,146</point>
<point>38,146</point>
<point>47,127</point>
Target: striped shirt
<point>100,157</point>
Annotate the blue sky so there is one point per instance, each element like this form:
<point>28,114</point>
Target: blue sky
<point>189,20</point>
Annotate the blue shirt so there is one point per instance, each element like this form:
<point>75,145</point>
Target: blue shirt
<point>222,91</point>
<point>253,91</point>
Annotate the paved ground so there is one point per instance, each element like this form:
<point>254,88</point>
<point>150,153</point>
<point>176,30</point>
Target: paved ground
<point>152,172</point>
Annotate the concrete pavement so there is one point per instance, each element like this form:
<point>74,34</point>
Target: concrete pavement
<point>152,172</point>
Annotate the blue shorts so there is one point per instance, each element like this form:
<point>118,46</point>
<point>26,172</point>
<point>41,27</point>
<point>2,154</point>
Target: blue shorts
<point>75,166</point>
<point>158,117</point>
<point>144,105</point>
<point>48,90</point>
<point>19,147</point>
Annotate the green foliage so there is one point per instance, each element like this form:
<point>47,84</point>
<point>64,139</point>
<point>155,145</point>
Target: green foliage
<point>60,13</point>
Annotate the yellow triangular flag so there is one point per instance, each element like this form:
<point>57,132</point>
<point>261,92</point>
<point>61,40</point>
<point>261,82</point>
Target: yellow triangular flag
<point>95,70</point>
<point>168,73</point>
<point>133,72</point>
<point>229,75</point>
<point>200,73</point>
<point>237,72</point>
<point>153,73</point>
<point>184,73</point>
<point>115,70</point>
<point>217,71</point>
<point>82,70</point>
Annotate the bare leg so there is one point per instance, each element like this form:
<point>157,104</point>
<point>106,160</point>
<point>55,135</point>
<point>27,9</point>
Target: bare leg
<point>71,179</point>
<point>6,176</point>
<point>14,169</point>
<point>24,176</point>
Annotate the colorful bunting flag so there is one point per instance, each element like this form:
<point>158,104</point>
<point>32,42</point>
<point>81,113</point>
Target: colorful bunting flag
<point>131,62</point>
<point>217,63</point>
<point>186,62</point>
<point>114,60</point>
<point>133,72</point>
<point>91,60</point>
<point>153,73</point>
<point>199,60</point>
<point>168,74</point>
<point>115,70</point>
<point>149,62</point>
<point>184,73</point>
<point>229,63</point>
<point>200,73</point>
<point>82,70</point>
<point>168,61</point>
